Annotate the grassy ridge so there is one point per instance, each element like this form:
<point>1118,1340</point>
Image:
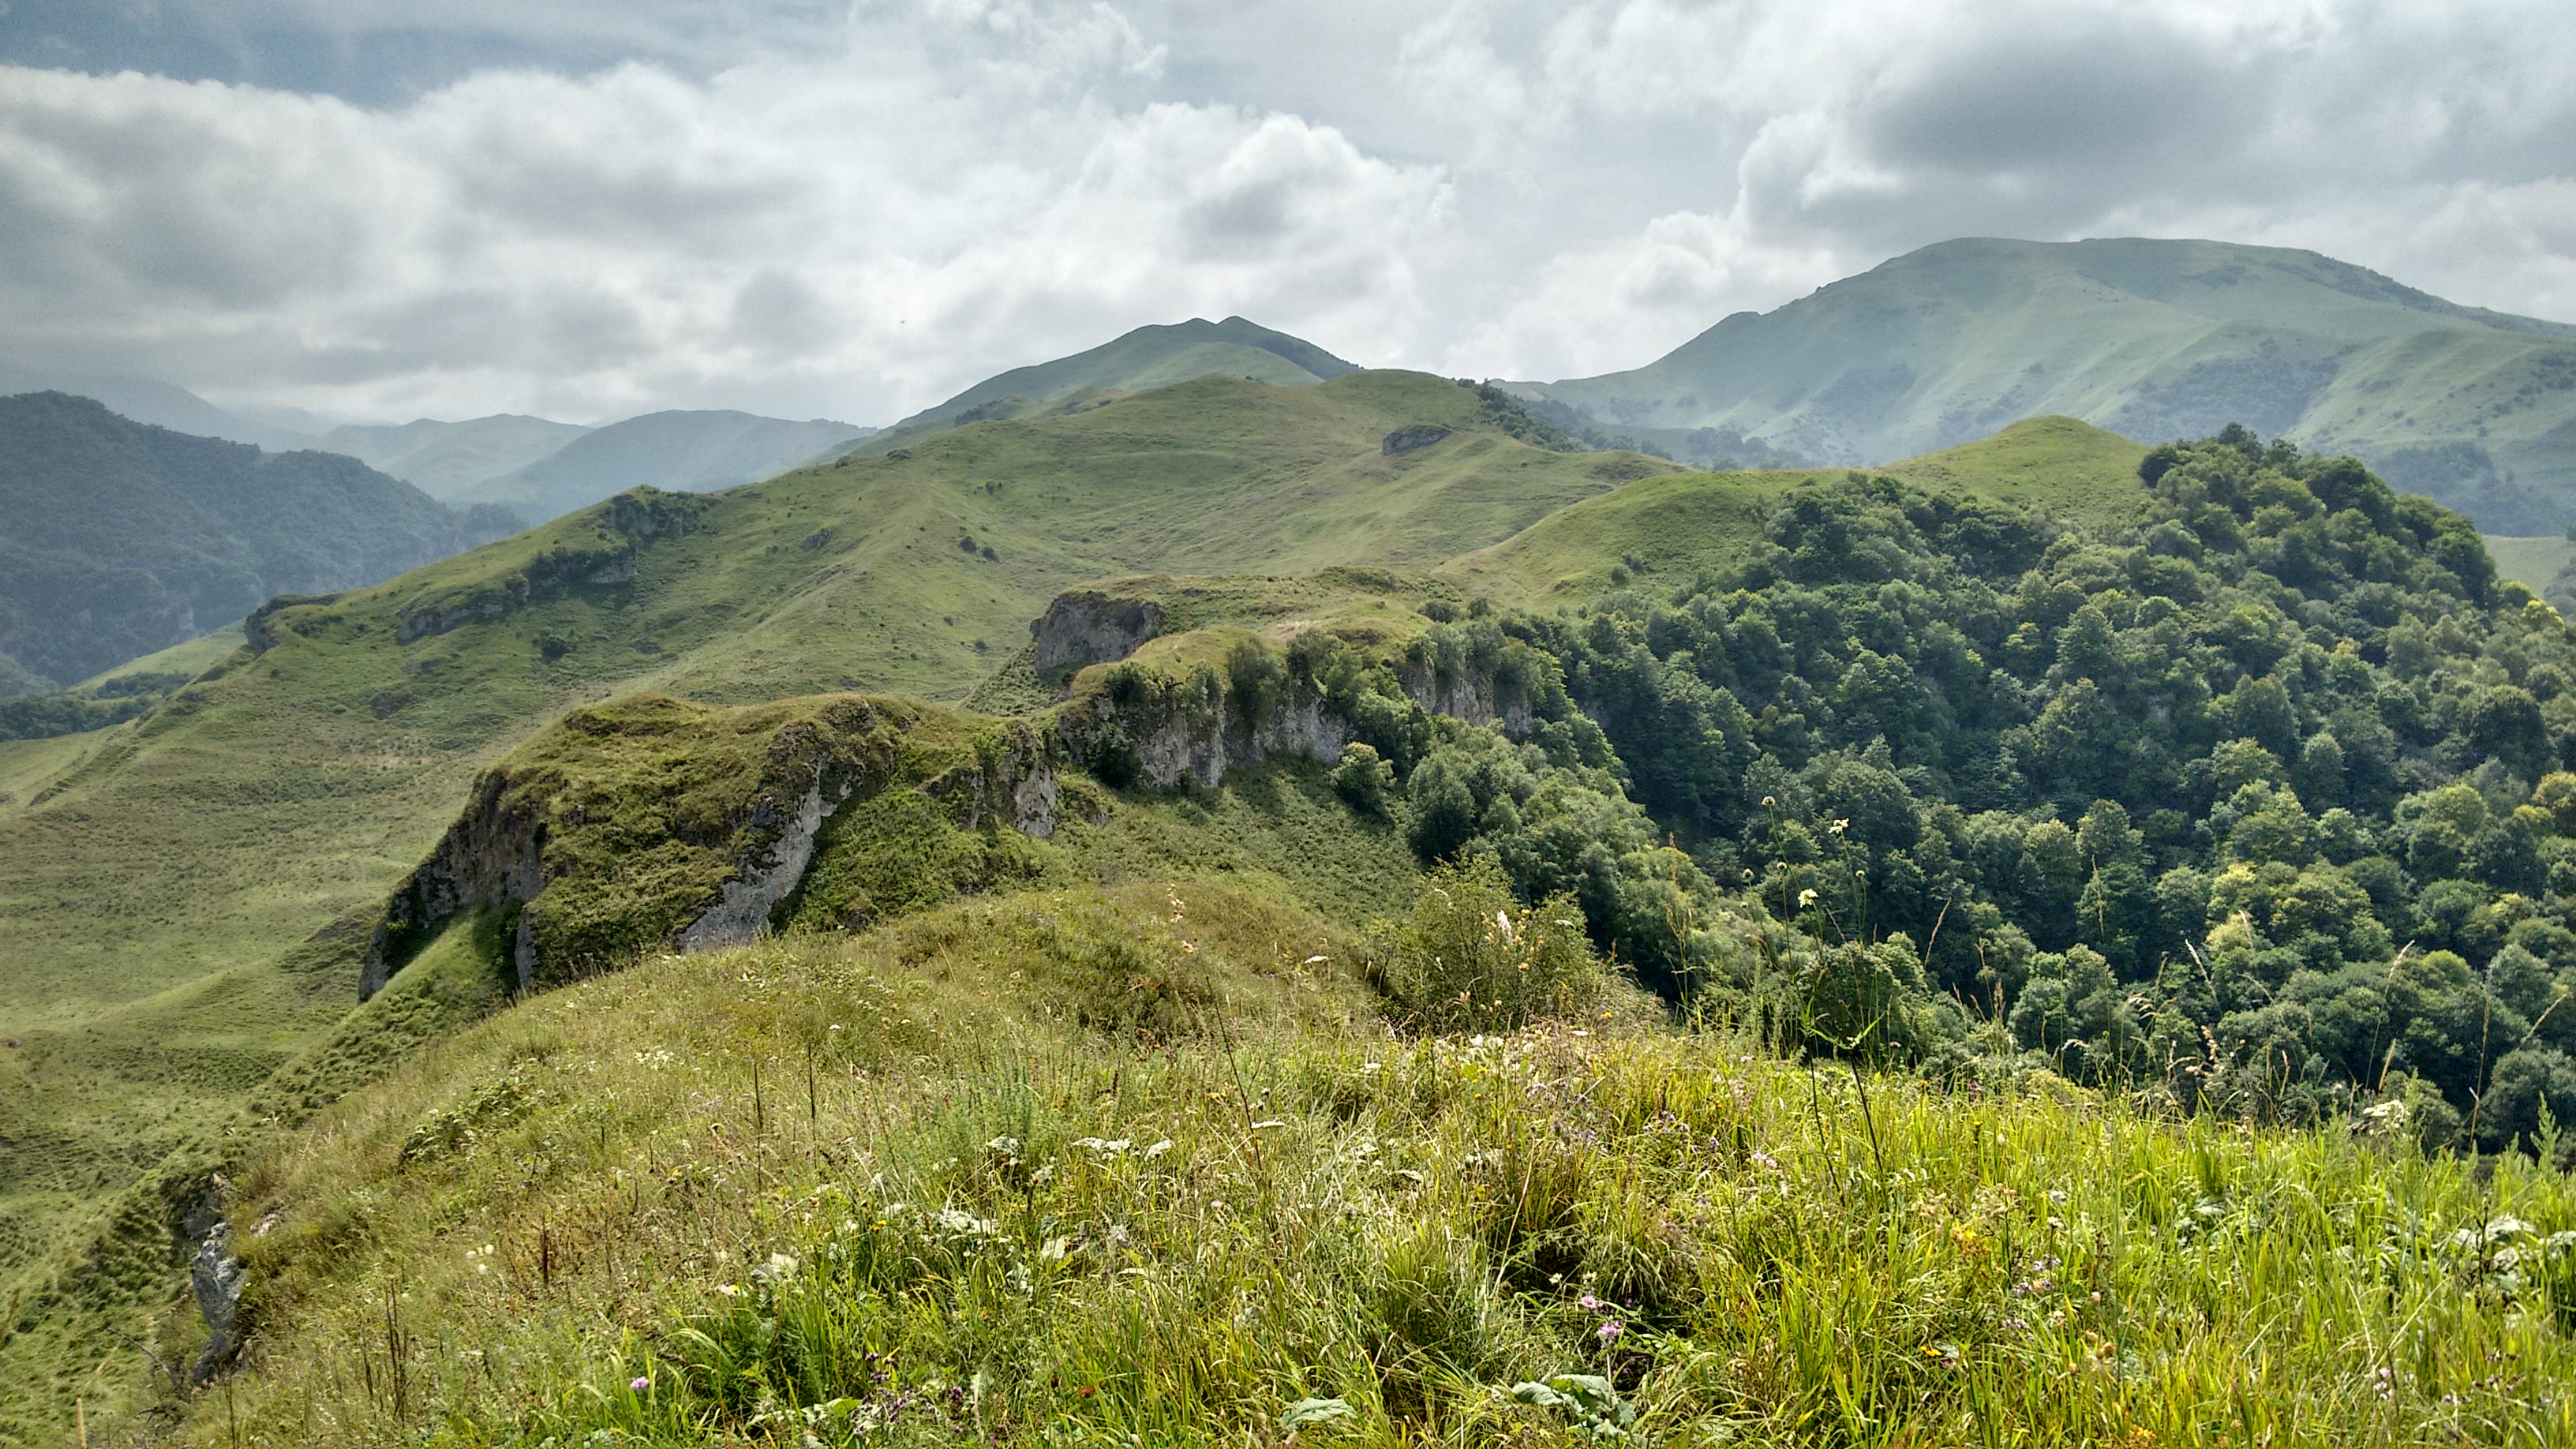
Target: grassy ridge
<point>1683,523</point>
<point>1129,1166</point>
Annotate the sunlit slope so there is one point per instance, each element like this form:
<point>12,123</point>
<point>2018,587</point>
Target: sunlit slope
<point>1681,523</point>
<point>2532,562</point>
<point>2153,339</point>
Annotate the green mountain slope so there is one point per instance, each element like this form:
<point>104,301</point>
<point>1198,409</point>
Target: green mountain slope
<point>691,452</point>
<point>1684,524</point>
<point>443,460</point>
<point>1945,683</point>
<point>2152,339</point>
<point>1149,357</point>
<point>154,892</point>
<point>122,538</point>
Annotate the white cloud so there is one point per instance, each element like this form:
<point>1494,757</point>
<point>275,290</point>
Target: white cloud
<point>859,210</point>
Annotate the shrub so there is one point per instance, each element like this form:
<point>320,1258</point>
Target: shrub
<point>1111,757</point>
<point>1470,956</point>
<point>1363,778</point>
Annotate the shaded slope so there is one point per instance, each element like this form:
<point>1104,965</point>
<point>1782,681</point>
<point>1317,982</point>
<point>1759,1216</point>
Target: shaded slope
<point>122,538</point>
<point>164,405</point>
<point>2153,339</point>
<point>1146,358</point>
<point>691,452</point>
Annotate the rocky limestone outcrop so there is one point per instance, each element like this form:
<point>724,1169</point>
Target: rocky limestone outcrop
<point>1087,626</point>
<point>1012,782</point>
<point>503,851</point>
<point>493,855</point>
<point>215,1276</point>
<point>739,914</point>
<point>1468,694</point>
<point>633,521</point>
<point>1410,437</point>
<point>1191,731</point>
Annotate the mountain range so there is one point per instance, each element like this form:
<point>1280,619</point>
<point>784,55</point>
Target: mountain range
<point>1012,764</point>
<point>2152,339</point>
<point>123,538</point>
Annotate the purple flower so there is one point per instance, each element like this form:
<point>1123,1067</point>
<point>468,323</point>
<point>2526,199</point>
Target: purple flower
<point>1610,1330</point>
<point>1588,1303</point>
<point>641,1383</point>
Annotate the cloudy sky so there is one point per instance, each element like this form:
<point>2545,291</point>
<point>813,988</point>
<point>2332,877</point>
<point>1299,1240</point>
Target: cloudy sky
<point>589,208</point>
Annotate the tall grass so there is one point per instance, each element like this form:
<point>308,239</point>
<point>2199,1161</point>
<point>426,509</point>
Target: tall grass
<point>896,1190</point>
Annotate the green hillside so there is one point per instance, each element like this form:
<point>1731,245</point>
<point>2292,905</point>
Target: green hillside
<point>1685,524</point>
<point>1138,361</point>
<point>2151,339</point>
<point>2048,789</point>
<point>122,538</point>
<point>915,1187</point>
<point>153,896</point>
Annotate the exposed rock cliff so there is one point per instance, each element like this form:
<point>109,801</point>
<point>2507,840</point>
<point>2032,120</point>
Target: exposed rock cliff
<point>1087,626</point>
<point>651,823</point>
<point>215,1275</point>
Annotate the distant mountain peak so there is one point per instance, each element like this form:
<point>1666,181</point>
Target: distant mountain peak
<point>2153,338</point>
<point>1156,355</point>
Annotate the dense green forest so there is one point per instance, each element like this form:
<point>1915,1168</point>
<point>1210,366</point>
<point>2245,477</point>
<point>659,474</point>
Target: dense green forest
<point>2263,803</point>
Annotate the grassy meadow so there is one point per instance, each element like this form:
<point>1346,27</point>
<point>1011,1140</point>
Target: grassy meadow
<point>1680,524</point>
<point>1143,1164</point>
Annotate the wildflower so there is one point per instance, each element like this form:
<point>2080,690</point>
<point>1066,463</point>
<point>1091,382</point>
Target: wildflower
<point>1317,960</point>
<point>1588,1303</point>
<point>1610,1330</point>
<point>639,1384</point>
<point>1806,898</point>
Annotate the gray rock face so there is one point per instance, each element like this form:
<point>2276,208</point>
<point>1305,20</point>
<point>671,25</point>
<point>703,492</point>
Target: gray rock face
<point>1014,785</point>
<point>1089,627</point>
<point>1181,738</point>
<point>490,856</point>
<point>737,918</point>
<point>1406,439</point>
<point>215,1276</point>
<point>1470,696</point>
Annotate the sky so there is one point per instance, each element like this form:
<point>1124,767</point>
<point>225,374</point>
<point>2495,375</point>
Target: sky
<point>584,209</point>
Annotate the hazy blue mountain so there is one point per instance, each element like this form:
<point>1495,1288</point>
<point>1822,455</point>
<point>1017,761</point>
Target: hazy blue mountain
<point>687,451</point>
<point>2153,339</point>
<point>147,400</point>
<point>1147,357</point>
<point>118,538</point>
<point>445,460</point>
